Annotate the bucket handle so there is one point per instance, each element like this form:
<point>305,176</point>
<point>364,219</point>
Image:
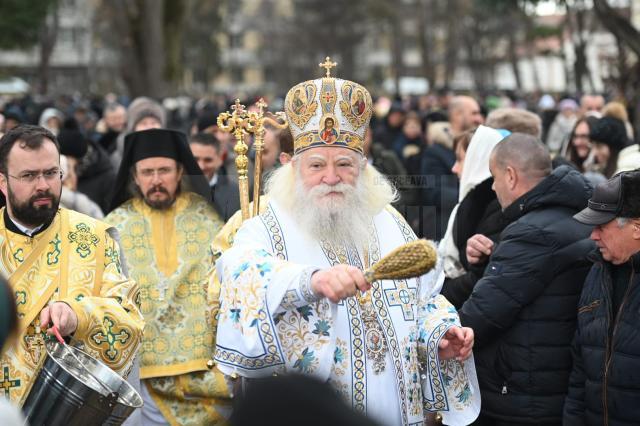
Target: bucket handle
<point>112,397</point>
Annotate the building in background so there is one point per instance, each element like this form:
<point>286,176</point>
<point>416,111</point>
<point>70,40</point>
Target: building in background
<point>78,63</point>
<point>262,46</point>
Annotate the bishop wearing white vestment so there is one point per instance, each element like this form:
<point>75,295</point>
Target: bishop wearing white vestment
<point>293,294</point>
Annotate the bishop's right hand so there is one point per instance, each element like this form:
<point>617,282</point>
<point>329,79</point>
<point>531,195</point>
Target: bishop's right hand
<point>338,282</point>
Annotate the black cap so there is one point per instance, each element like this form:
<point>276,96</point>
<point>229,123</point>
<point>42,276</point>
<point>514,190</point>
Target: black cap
<point>154,143</point>
<point>617,197</point>
<point>609,131</point>
<point>71,140</point>
<point>207,119</point>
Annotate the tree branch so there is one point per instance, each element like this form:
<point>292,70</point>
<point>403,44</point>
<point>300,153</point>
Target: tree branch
<point>618,25</point>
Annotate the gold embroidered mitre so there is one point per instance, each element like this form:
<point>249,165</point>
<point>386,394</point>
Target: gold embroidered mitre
<point>328,112</point>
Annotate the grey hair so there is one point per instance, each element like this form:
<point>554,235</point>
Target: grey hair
<point>622,221</point>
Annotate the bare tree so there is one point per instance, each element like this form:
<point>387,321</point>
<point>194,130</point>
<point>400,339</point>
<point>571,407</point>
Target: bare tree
<point>140,43</point>
<point>148,34</point>
<point>626,34</point>
<point>397,65</point>
<point>48,37</point>
<point>514,59</point>
<point>426,41</point>
<point>452,40</point>
<point>576,20</point>
<point>200,50</point>
<point>173,28</point>
<point>618,25</point>
<point>335,27</point>
<point>482,33</point>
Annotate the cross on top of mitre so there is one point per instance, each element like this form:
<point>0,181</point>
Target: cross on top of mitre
<point>327,65</point>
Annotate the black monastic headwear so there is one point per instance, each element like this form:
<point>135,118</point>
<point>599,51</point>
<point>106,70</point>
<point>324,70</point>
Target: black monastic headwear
<point>157,143</point>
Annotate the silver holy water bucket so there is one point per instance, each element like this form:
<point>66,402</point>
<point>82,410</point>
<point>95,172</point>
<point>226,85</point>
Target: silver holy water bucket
<point>68,394</point>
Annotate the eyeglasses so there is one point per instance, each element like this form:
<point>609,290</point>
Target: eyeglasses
<point>32,177</point>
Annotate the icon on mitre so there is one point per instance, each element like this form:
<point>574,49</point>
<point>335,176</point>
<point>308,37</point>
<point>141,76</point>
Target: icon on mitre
<point>329,134</point>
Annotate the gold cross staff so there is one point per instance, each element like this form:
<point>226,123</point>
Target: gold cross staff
<point>327,65</point>
<point>236,123</point>
<point>255,125</point>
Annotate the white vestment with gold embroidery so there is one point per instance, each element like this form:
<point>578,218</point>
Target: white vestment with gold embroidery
<point>270,322</point>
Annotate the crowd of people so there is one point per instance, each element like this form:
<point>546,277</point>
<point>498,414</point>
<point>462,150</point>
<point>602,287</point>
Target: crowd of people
<point>121,228</point>
<point>411,141</point>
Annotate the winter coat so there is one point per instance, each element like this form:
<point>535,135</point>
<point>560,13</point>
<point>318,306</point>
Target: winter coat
<point>386,135</point>
<point>402,142</point>
<point>440,185</point>
<point>604,388</point>
<point>386,162</point>
<point>474,173</point>
<point>96,176</point>
<point>225,197</point>
<point>523,310</point>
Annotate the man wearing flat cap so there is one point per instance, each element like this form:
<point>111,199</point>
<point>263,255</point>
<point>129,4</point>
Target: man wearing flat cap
<point>161,209</point>
<point>604,387</point>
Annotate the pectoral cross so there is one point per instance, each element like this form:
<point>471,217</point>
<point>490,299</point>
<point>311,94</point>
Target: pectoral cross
<point>327,65</point>
<point>35,341</point>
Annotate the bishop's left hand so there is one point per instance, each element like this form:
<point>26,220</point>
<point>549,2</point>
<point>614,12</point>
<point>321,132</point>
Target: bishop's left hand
<point>59,314</point>
<point>456,343</point>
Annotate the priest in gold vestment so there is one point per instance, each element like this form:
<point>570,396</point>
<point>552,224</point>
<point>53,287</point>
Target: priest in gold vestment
<point>64,268</point>
<point>167,228</point>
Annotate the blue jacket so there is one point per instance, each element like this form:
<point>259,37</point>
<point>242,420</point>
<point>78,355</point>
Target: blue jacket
<point>523,310</point>
<point>605,381</point>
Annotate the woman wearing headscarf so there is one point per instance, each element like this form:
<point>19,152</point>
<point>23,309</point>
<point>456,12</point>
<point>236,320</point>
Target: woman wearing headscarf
<point>477,212</point>
<point>51,119</point>
<point>142,114</point>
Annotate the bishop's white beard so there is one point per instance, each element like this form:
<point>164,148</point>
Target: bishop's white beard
<point>336,219</point>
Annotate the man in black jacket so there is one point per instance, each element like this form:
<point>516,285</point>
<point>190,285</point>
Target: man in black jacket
<point>224,191</point>
<point>523,308</point>
<point>604,388</point>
